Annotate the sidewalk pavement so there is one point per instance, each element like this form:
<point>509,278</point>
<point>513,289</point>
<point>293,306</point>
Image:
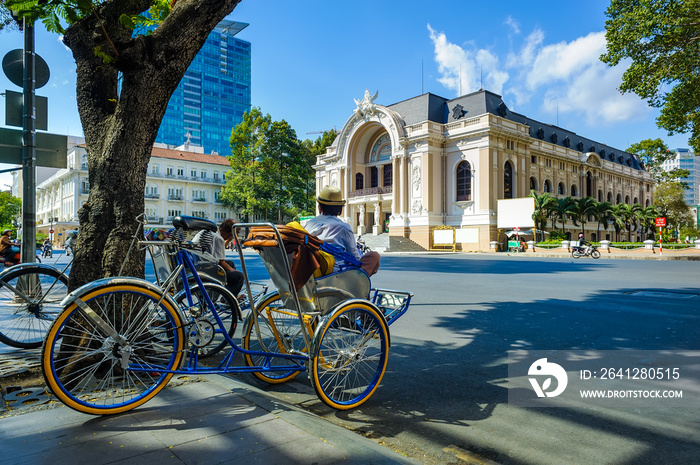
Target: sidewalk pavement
<point>217,420</point>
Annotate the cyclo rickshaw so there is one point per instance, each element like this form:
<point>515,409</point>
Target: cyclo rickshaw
<point>120,340</point>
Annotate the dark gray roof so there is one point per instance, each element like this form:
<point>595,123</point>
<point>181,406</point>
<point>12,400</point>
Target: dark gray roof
<point>441,110</point>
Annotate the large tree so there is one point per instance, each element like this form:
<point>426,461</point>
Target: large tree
<point>653,152</point>
<point>662,39</point>
<point>124,83</point>
<point>669,202</point>
<point>271,173</point>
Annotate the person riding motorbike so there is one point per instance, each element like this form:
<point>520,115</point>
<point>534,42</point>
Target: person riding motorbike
<point>583,244</point>
<point>6,244</point>
<point>47,248</point>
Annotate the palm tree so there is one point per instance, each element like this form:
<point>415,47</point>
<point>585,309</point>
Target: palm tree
<point>602,214</point>
<point>630,213</point>
<point>561,209</point>
<point>543,204</point>
<point>581,210</point>
<point>617,213</point>
<point>648,215</point>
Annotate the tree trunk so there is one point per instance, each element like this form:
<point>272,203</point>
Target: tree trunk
<point>121,124</point>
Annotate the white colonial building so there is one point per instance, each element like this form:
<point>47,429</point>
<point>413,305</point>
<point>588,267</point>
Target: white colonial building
<point>180,181</point>
<point>430,162</point>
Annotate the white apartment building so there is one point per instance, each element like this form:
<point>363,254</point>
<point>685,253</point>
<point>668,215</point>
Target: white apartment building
<point>180,181</point>
<point>686,160</point>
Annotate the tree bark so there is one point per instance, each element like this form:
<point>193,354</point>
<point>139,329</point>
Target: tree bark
<point>121,104</point>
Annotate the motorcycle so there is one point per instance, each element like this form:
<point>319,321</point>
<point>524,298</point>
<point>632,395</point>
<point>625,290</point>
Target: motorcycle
<point>585,251</point>
<point>47,251</point>
<point>13,257</point>
<point>361,246</point>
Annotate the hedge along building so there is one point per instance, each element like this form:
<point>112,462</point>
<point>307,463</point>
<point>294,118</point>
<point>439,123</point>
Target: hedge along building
<point>430,162</point>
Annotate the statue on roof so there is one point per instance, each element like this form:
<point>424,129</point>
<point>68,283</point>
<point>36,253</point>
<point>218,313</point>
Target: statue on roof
<point>366,107</point>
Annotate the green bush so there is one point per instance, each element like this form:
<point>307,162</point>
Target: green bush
<point>556,236</point>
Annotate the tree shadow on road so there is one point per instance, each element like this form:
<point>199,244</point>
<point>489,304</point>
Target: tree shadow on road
<point>459,385</point>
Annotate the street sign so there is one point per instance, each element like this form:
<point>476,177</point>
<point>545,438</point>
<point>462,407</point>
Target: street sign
<point>51,149</point>
<point>50,231</point>
<point>661,222</point>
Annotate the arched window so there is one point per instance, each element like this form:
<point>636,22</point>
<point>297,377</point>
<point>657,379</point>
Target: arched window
<point>381,149</point>
<point>547,186</point>
<point>635,201</point>
<point>600,195</point>
<point>464,181</point>
<point>359,181</point>
<point>574,190</point>
<point>560,189</point>
<point>618,199</point>
<point>508,181</point>
<point>533,184</point>
<point>646,203</point>
<point>589,181</point>
<point>609,197</point>
<point>387,174</point>
<point>627,199</point>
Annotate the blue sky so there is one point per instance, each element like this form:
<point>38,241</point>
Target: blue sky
<point>311,58</point>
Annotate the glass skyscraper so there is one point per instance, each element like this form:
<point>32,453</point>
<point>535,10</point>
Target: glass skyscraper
<point>213,94</point>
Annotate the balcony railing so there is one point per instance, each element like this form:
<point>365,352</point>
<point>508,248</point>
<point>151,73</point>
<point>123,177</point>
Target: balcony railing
<point>187,178</point>
<point>370,191</point>
<point>152,196</point>
<point>175,197</point>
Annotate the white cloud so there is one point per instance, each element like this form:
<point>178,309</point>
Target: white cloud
<point>461,69</point>
<point>514,25</point>
<point>560,62</point>
<point>566,77</point>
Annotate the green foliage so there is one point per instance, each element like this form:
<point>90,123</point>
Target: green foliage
<point>581,210</point>
<point>653,152</point>
<point>543,203</point>
<point>561,209</point>
<point>662,38</point>
<point>10,208</point>
<point>146,22</point>
<point>690,231</point>
<point>669,202</point>
<point>556,236</point>
<point>271,176</point>
<point>55,14</point>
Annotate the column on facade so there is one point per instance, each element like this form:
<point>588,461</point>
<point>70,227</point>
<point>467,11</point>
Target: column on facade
<point>405,192</point>
<point>397,185</point>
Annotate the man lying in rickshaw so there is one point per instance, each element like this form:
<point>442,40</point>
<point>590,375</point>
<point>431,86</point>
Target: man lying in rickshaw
<point>332,230</point>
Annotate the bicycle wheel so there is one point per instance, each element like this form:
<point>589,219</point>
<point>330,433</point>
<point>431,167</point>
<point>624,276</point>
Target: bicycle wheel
<point>30,299</point>
<point>280,332</point>
<point>352,354</point>
<point>227,308</point>
<point>90,371</point>
<point>595,254</point>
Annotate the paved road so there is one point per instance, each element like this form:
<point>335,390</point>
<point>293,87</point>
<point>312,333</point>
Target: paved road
<point>443,398</point>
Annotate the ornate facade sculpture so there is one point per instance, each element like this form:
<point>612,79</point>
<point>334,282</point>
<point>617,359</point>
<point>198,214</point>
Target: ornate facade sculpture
<point>366,107</point>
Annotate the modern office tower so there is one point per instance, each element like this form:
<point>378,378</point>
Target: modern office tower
<point>686,160</point>
<point>213,94</point>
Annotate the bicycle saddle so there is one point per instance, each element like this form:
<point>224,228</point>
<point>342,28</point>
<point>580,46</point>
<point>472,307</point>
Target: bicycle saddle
<point>191,222</point>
